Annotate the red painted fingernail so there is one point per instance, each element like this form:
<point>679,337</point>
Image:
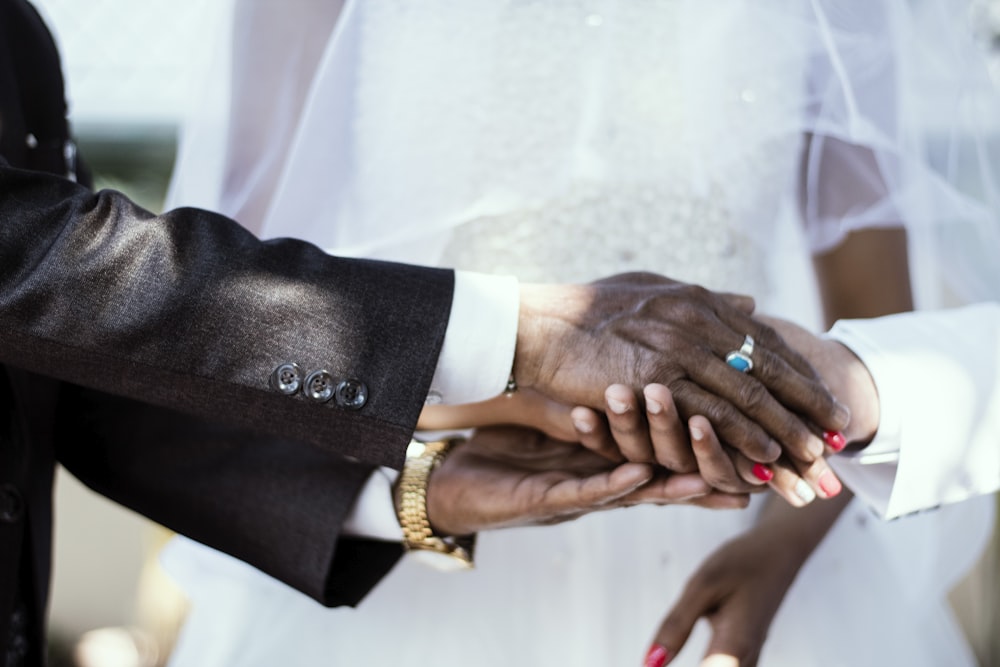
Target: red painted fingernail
<point>657,656</point>
<point>829,483</point>
<point>835,440</point>
<point>762,472</point>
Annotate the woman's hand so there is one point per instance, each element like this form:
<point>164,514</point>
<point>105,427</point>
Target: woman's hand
<point>643,328</point>
<point>649,428</point>
<point>503,477</point>
<point>738,590</point>
<point>524,407</point>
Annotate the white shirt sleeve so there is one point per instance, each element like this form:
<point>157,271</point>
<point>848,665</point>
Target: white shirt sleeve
<point>474,365</point>
<point>374,514</point>
<point>938,380</point>
<point>478,350</point>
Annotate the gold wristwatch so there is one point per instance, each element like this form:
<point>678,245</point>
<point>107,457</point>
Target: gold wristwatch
<point>444,553</point>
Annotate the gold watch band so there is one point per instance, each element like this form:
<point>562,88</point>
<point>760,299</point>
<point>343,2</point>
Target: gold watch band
<point>411,507</point>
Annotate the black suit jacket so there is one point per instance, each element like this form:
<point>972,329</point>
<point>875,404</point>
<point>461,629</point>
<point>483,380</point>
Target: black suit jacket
<point>138,350</point>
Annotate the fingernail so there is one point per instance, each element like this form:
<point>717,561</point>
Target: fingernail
<point>835,440</point>
<point>583,426</point>
<point>617,407</point>
<point>657,656</point>
<point>829,484</point>
<point>653,407</point>
<point>804,492</point>
<point>762,472</point>
<point>696,433</point>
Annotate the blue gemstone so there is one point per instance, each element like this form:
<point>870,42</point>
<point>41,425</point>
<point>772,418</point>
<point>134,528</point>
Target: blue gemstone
<point>740,363</point>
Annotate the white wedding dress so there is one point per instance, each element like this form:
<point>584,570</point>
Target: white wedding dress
<point>564,141</point>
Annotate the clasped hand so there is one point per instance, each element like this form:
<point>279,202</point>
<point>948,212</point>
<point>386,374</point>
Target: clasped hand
<point>509,476</point>
<point>638,329</point>
<point>680,401</point>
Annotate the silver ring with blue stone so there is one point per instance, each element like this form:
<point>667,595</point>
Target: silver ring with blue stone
<point>740,359</point>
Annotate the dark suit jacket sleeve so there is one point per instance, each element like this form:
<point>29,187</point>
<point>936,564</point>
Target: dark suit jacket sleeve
<point>189,311</point>
<point>275,503</point>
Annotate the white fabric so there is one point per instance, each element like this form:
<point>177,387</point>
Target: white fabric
<point>566,140</point>
<point>938,378</point>
<point>478,350</point>
<point>374,514</point>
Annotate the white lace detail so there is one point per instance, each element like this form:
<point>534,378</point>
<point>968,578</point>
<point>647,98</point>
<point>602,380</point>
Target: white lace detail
<point>597,231</point>
<point>548,121</point>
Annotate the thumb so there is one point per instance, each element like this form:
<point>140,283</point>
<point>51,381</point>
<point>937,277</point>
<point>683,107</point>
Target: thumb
<point>581,495</point>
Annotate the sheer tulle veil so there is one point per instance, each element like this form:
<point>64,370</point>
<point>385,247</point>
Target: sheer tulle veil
<point>892,99</point>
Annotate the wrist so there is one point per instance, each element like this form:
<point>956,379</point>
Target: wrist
<point>548,315</point>
<point>529,352</point>
<point>412,498</point>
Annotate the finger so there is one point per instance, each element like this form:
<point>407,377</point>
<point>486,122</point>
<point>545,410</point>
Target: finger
<point>752,398</point>
<point>741,302</point>
<point>628,426</point>
<point>669,438</point>
<point>819,476</point>
<point>559,494</point>
<point>717,500</point>
<point>751,472</point>
<point>789,485</point>
<point>793,391</point>
<point>755,474</point>
<point>714,463</point>
<point>730,423</point>
<point>686,489</point>
<point>592,432</point>
<point>796,383</point>
<point>667,489</point>
<point>695,601</point>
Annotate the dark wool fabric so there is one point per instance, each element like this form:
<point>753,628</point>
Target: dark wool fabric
<point>138,349</point>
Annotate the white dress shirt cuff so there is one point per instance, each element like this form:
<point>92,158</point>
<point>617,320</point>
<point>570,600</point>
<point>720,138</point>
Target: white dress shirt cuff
<point>938,379</point>
<point>478,350</point>
<point>374,514</point>
<point>871,472</point>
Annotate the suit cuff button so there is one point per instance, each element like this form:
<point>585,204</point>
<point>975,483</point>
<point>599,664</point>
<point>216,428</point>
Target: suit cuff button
<point>286,379</point>
<point>319,386</point>
<point>352,394</point>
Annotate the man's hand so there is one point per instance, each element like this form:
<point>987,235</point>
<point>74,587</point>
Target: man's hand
<point>638,329</point>
<point>504,477</point>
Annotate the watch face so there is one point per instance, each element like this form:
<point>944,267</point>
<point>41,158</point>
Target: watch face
<point>439,561</point>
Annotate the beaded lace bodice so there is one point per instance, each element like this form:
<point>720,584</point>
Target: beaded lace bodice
<point>575,138</point>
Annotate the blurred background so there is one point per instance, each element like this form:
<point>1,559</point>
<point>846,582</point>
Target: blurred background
<point>127,67</point>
